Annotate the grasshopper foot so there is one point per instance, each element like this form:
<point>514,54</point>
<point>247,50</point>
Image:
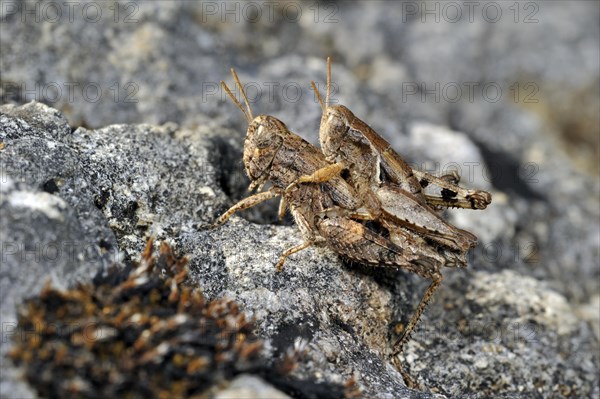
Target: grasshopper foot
<point>408,379</point>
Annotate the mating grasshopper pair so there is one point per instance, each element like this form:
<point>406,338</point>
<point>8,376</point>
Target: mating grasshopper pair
<point>404,228</point>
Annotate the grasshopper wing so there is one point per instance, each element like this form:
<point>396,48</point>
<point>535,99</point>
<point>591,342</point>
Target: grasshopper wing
<point>411,213</point>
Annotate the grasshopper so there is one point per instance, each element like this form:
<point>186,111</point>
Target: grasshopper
<point>381,177</point>
<point>392,192</point>
<point>389,187</point>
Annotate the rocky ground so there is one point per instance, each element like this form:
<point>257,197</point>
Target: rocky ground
<point>79,191</point>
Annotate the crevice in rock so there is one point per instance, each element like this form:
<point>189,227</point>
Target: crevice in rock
<point>231,178</point>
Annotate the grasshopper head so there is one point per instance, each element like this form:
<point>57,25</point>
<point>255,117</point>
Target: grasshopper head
<point>335,121</point>
<point>263,139</point>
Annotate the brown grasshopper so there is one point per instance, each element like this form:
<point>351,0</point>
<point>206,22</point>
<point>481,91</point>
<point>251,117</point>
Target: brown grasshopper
<point>381,177</point>
<point>392,192</point>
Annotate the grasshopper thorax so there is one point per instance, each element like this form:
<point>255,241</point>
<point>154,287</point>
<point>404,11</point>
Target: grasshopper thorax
<point>335,122</point>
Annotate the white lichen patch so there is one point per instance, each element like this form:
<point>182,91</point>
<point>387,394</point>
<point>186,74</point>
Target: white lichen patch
<point>206,190</point>
<point>48,204</point>
<point>529,297</point>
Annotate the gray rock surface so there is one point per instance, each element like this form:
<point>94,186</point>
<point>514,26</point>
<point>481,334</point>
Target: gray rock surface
<point>523,321</point>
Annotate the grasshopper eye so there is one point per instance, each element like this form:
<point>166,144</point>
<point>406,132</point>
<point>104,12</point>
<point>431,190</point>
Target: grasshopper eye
<point>336,119</point>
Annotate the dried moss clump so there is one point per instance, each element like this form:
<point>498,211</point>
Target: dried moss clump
<point>133,332</point>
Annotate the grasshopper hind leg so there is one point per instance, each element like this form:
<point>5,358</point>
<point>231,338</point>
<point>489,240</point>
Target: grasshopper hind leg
<point>291,251</point>
<point>306,231</point>
<point>357,242</point>
<point>453,196</point>
<point>406,335</point>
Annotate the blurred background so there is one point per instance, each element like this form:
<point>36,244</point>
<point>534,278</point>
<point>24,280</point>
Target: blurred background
<point>506,92</point>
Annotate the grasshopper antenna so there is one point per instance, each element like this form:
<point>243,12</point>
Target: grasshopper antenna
<point>248,111</point>
<point>235,100</point>
<point>239,85</point>
<point>314,87</point>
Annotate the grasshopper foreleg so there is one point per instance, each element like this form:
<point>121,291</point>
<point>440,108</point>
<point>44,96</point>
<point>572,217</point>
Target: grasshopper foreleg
<point>245,203</point>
